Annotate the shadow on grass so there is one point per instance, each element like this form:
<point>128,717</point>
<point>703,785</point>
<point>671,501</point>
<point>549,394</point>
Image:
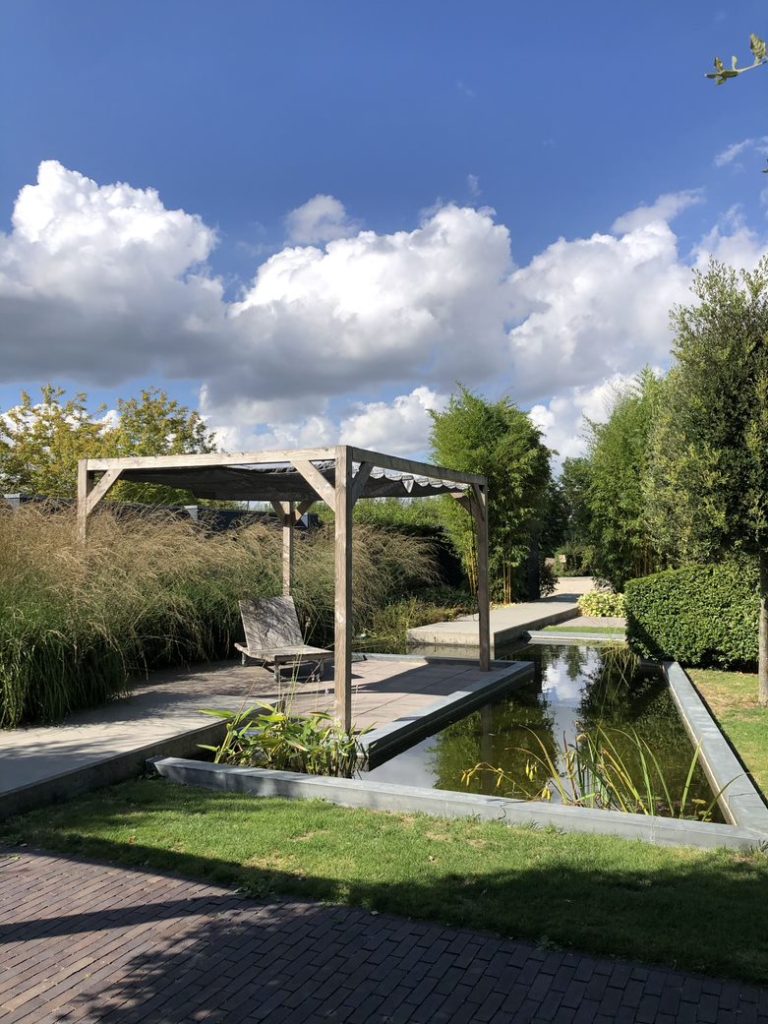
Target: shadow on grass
<point>222,957</point>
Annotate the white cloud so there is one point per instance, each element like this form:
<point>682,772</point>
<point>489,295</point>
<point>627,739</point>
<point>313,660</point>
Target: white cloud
<point>662,211</point>
<point>104,284</point>
<point>402,426</point>
<point>731,153</point>
<point>319,220</point>
<point>562,420</point>
<point>473,184</point>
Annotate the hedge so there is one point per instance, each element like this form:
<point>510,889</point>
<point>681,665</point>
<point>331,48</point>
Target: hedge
<point>701,615</point>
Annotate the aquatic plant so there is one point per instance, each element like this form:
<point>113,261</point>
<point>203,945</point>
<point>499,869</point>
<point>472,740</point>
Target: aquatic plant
<point>595,772</point>
<point>266,736</point>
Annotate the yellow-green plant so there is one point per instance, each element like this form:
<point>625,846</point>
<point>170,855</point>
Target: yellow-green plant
<point>266,736</point>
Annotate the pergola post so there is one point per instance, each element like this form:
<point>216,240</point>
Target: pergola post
<point>344,503</point>
<point>480,512</point>
<point>287,513</point>
<point>84,488</point>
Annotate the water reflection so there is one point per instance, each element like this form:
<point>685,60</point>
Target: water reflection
<point>576,688</point>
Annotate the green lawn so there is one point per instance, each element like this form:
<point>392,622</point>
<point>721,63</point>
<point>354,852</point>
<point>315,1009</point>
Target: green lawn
<point>591,893</point>
<point>607,630</point>
<point>732,696</point>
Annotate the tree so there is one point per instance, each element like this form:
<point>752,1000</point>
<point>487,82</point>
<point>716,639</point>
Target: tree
<point>574,488</point>
<point>621,540</point>
<point>719,393</point>
<point>41,443</point>
<point>500,442</point>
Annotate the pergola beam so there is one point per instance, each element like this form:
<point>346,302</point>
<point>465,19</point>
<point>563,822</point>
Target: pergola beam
<point>342,664</point>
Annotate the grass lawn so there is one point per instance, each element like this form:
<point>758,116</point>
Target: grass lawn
<point>607,630</point>
<point>732,696</point>
<point>591,893</point>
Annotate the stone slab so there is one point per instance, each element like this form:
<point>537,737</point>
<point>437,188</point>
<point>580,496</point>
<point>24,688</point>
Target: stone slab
<point>740,799</point>
<point>383,796</point>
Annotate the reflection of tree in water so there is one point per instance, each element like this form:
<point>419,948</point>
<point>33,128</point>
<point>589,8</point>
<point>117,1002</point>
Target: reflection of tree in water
<point>584,687</point>
<point>498,734</point>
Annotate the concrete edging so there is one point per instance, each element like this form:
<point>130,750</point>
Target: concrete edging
<point>383,796</point>
<point>122,766</point>
<point>739,800</point>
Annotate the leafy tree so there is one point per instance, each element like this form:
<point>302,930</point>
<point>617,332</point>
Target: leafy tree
<point>500,442</point>
<point>621,540</point>
<point>574,488</point>
<point>155,424</point>
<point>719,392</point>
<point>41,442</point>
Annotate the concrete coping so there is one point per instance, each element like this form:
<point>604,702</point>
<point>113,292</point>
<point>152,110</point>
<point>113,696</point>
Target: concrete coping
<point>739,798</point>
<point>385,796</point>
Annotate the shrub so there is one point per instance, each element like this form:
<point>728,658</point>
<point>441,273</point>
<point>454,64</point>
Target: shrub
<point>265,736</point>
<point>602,603</point>
<point>150,591</point>
<point>700,615</point>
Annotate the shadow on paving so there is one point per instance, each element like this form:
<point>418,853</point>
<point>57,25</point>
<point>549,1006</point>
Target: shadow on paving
<point>220,957</point>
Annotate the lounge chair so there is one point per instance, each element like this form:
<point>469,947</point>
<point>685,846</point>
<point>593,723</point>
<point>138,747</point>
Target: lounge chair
<point>273,637</point>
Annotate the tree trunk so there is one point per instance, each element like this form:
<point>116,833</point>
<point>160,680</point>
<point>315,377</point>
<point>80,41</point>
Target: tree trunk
<point>762,667</point>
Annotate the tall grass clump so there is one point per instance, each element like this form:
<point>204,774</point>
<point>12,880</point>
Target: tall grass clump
<point>151,591</point>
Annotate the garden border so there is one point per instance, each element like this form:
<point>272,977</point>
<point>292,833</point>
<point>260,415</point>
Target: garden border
<point>740,800</point>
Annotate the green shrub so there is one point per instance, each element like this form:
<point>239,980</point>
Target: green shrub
<point>150,590</point>
<point>602,603</point>
<point>704,615</point>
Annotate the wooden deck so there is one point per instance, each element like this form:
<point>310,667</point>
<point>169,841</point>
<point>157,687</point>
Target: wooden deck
<point>162,716</point>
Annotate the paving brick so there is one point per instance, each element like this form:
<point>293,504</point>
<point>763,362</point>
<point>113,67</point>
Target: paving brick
<point>96,943</point>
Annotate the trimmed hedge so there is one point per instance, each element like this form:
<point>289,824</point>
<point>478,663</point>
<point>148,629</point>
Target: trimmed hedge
<point>703,615</point>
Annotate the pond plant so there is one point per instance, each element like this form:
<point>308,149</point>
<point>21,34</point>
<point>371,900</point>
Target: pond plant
<point>267,736</point>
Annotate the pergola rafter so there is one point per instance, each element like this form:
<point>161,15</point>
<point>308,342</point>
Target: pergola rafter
<point>292,481</point>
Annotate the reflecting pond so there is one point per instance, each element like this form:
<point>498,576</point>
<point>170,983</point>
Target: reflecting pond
<point>599,690</point>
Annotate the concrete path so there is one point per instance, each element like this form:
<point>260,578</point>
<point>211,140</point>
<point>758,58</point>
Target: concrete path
<point>162,717</point>
<point>509,622</point>
<point>86,942</point>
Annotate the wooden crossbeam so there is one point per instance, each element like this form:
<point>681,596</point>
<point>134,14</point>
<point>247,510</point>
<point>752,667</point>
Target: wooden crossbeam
<point>361,479</point>
<point>316,481</point>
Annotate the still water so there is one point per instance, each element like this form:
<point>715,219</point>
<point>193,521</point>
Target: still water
<point>576,689</point>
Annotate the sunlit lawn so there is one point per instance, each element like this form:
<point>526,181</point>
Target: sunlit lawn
<point>591,893</point>
<point>732,696</point>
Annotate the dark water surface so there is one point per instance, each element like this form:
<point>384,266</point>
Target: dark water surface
<point>577,688</point>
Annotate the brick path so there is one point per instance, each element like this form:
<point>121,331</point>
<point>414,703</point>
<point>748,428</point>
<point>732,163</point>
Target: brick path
<point>86,942</point>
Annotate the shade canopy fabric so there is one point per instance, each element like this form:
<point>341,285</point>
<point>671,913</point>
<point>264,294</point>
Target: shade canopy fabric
<point>282,482</point>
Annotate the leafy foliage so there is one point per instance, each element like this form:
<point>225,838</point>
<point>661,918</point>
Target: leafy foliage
<point>500,442</point>
<point>602,603</point>
<point>698,615</point>
<point>722,74</point>
<point>267,737</point>
<point>41,442</point>
<point>621,545</point>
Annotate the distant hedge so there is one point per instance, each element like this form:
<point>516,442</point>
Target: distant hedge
<point>704,615</point>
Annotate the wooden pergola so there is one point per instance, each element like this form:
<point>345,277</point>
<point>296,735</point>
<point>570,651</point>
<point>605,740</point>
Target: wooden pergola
<point>292,481</point>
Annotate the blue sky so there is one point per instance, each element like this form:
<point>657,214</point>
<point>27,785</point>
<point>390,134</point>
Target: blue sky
<point>415,121</point>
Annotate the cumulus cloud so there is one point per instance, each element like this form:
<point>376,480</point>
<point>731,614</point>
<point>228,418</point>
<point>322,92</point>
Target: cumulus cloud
<point>104,282</point>
<point>355,340</point>
<point>563,420</point>
<point>662,211</point>
<point>321,219</point>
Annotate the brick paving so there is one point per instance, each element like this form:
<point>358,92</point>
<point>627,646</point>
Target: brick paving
<point>84,942</point>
